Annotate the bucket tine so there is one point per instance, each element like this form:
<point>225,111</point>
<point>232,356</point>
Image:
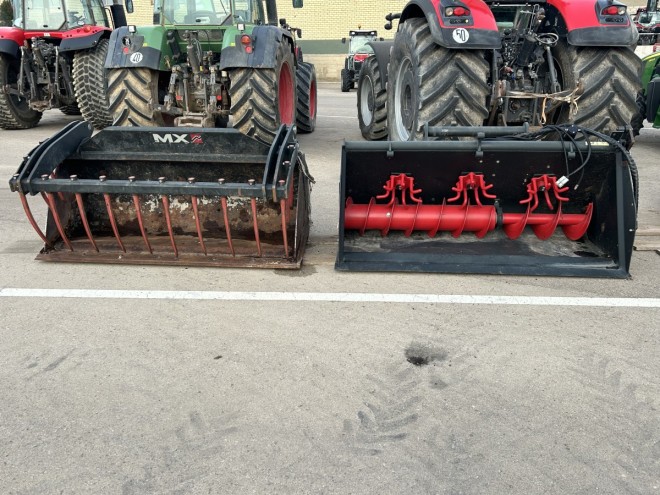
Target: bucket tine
<point>113,223</point>
<point>253,202</point>
<point>138,211</point>
<point>83,217</point>
<point>225,215</point>
<point>168,219</point>
<point>50,200</point>
<point>197,223</point>
<point>31,219</point>
<point>284,233</point>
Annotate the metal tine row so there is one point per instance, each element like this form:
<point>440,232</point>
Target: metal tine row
<point>50,200</point>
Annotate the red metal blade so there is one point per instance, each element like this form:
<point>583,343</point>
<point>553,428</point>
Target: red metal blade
<point>115,230</point>
<point>227,229</point>
<point>50,201</point>
<point>31,219</point>
<point>138,211</point>
<point>577,230</point>
<point>253,201</point>
<point>283,208</point>
<point>197,223</point>
<point>166,209</point>
<point>83,217</point>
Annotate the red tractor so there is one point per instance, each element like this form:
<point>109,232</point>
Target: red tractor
<point>52,55</point>
<point>475,62</point>
<point>358,51</point>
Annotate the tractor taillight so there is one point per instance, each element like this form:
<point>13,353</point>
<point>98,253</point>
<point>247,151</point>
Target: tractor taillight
<point>456,11</point>
<point>614,10</point>
<point>246,40</point>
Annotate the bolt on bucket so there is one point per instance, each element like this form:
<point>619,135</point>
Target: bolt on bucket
<point>495,204</point>
<point>176,196</point>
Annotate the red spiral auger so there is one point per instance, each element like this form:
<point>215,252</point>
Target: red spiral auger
<point>403,210</point>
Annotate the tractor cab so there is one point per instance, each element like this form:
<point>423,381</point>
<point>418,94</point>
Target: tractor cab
<point>208,12</point>
<point>56,15</point>
<point>358,50</point>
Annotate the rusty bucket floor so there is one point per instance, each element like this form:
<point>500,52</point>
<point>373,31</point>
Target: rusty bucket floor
<point>189,253</point>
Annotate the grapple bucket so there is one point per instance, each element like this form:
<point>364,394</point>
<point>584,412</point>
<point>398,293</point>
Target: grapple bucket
<point>493,204</point>
<point>180,196</point>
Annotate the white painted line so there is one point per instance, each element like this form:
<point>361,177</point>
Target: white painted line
<point>336,117</point>
<point>342,297</point>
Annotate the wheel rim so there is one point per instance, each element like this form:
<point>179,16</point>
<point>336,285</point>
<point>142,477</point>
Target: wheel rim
<point>312,100</point>
<point>285,95</point>
<point>367,100</point>
<point>404,101</point>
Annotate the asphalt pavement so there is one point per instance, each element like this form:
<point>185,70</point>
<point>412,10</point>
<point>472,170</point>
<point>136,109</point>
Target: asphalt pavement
<point>192,380</point>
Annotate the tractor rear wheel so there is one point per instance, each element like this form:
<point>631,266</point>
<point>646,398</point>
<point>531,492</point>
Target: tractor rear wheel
<point>371,101</point>
<point>132,94</point>
<point>72,109</point>
<point>346,82</point>
<point>306,107</point>
<point>90,83</point>
<point>264,99</point>
<point>14,111</point>
<point>431,84</point>
<point>610,79</point>
<point>637,121</point>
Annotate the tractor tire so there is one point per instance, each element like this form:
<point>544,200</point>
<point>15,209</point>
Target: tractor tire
<point>610,78</point>
<point>372,101</point>
<point>637,121</point>
<point>90,83</point>
<point>431,84</point>
<point>306,106</point>
<point>132,94</point>
<point>72,109</point>
<point>264,99</point>
<point>14,112</point>
<point>346,82</point>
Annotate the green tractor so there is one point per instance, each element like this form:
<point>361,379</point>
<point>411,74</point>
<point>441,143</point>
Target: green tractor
<point>648,99</point>
<point>204,61</point>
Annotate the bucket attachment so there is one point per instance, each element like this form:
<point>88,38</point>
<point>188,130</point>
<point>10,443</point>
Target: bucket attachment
<point>175,196</point>
<point>494,204</point>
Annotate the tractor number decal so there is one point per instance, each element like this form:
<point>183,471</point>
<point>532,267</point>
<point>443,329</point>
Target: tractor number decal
<point>136,58</point>
<point>461,35</point>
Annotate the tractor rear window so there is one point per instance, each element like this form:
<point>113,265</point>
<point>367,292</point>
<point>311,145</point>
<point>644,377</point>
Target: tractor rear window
<point>194,12</point>
<point>44,14</point>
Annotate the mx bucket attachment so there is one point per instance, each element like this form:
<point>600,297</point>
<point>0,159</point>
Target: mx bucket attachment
<point>175,196</point>
<point>496,204</point>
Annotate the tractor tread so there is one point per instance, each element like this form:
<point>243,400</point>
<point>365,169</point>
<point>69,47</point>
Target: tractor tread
<point>254,97</point>
<point>131,97</point>
<point>452,84</point>
<point>11,116</point>
<point>610,79</point>
<point>90,83</point>
<point>376,129</point>
<point>306,104</point>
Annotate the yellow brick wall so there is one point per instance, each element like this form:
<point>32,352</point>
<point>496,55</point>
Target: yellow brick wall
<point>328,20</point>
<point>319,20</point>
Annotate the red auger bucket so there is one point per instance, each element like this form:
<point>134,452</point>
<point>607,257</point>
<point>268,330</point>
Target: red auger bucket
<point>176,196</point>
<point>495,204</point>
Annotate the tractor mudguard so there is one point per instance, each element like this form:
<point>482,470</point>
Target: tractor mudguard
<point>476,31</point>
<point>266,40</point>
<point>492,205</point>
<point>133,55</point>
<point>83,42</point>
<point>587,26</point>
<point>382,53</point>
<point>10,47</point>
<point>177,196</point>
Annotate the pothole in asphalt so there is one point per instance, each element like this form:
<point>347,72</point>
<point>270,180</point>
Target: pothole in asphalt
<point>421,354</point>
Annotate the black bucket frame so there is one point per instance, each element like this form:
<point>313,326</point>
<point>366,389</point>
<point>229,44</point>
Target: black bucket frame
<point>271,174</point>
<point>605,251</point>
